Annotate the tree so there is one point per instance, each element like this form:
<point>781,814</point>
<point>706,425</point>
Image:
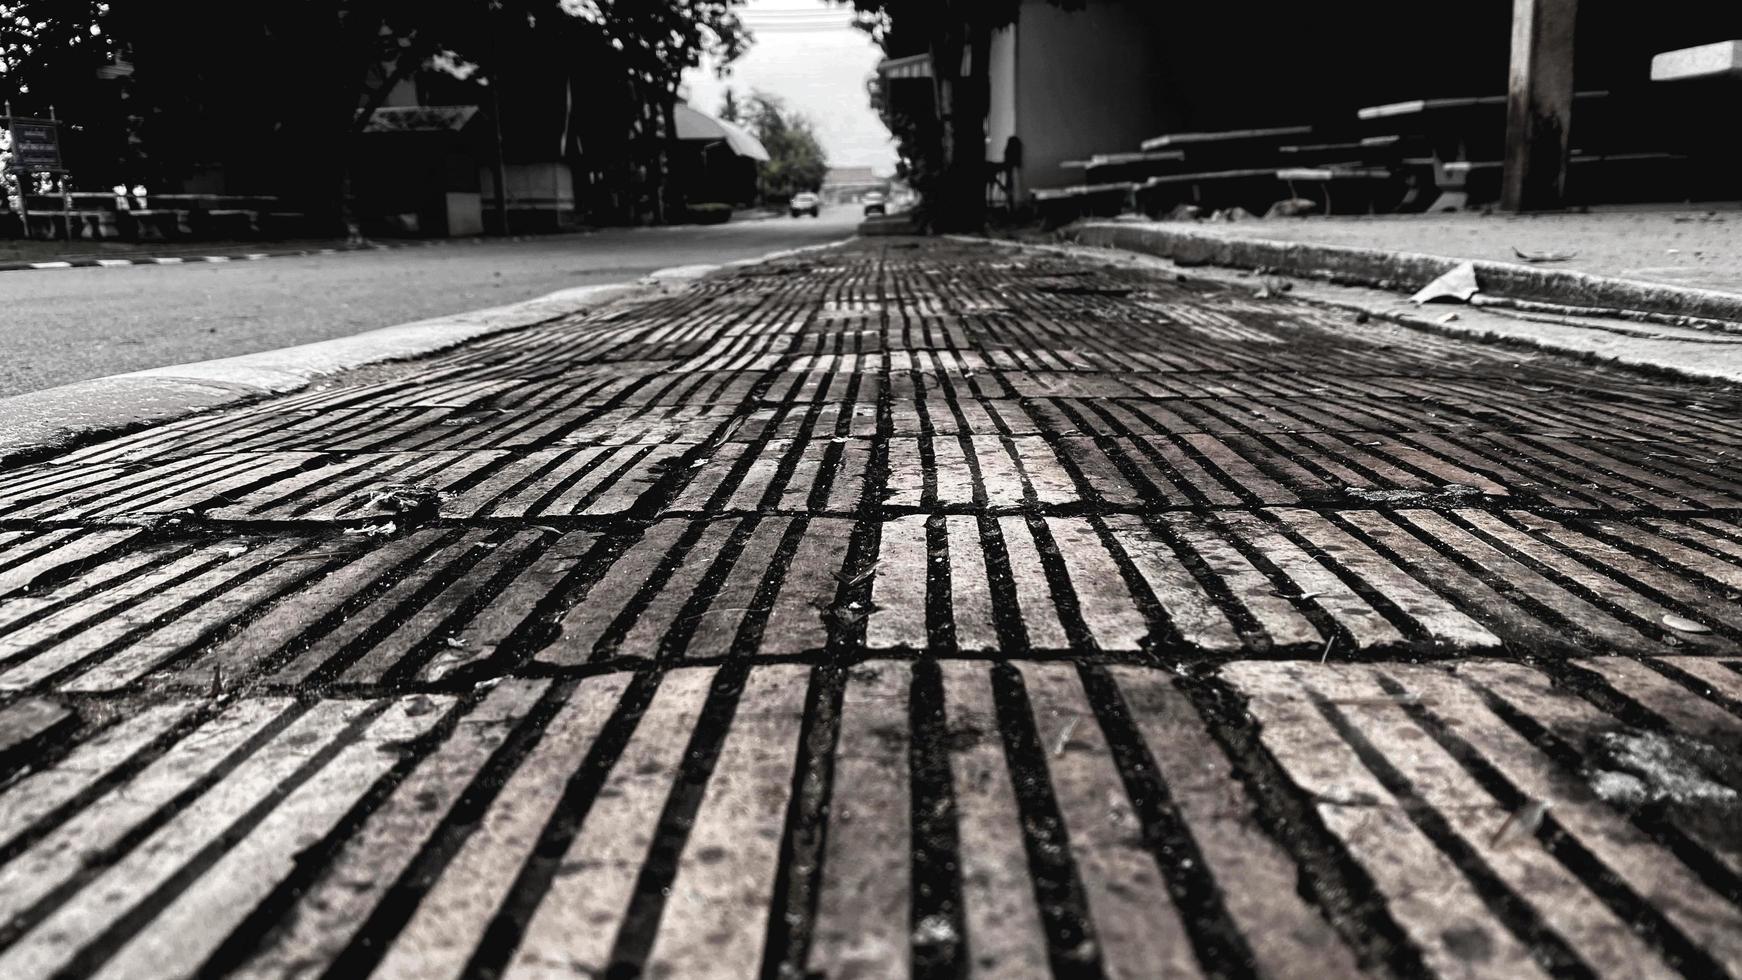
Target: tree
<point>51,53</point>
<point>282,90</point>
<point>659,40</point>
<point>951,31</point>
<point>795,158</point>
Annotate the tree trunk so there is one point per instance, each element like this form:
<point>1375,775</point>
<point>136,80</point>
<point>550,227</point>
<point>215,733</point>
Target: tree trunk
<point>498,162</point>
<point>650,149</point>
<point>673,206</point>
<point>963,204</point>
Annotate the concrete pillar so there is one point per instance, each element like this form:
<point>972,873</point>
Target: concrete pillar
<point>1539,105</point>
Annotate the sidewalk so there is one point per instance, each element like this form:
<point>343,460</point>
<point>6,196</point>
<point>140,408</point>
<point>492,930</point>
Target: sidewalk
<point>1655,261</point>
<point>912,606</point>
<point>1693,246</point>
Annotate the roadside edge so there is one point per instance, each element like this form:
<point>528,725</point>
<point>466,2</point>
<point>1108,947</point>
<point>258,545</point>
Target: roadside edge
<point>1699,355</point>
<point>1409,271</point>
<point>41,421</point>
<point>53,417</point>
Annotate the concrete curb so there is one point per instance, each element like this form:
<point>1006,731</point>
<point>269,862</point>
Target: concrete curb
<point>1409,271</point>
<point>91,262</point>
<point>53,417</point>
<point>43,420</point>
<point>1685,352</point>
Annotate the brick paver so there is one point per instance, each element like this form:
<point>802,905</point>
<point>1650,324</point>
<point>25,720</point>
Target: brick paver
<point>912,607</point>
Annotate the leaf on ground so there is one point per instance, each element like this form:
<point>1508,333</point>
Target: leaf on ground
<point>1683,624</point>
<point>1538,257</point>
<point>1520,823</point>
<point>1457,285</point>
<point>403,498</point>
<point>859,577</point>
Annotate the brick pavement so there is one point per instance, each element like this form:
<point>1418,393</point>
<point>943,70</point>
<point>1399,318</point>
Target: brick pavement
<point>909,607</point>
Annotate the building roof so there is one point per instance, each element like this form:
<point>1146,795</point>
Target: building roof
<point>912,66</point>
<point>693,124</point>
<point>851,175</point>
<point>420,118</point>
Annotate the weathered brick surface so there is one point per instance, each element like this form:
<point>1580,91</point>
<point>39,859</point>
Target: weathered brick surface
<point>914,608</point>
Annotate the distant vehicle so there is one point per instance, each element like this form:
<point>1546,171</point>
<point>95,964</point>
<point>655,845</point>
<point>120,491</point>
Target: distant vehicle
<point>874,204</point>
<point>806,203</point>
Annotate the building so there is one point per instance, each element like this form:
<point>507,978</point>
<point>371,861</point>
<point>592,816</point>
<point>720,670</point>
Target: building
<point>846,185</point>
<point>428,158</point>
<point>1070,84</point>
<point>716,161</point>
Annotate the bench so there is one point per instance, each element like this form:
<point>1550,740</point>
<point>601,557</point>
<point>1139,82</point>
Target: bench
<point>1201,141</point>
<point>1705,61</point>
<point>76,215</point>
<point>1362,190</point>
<point>99,215</point>
<point>1063,205</point>
<point>1108,168</point>
<point>1452,130</point>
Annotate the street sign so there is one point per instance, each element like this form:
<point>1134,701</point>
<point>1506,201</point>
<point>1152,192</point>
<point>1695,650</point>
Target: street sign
<point>35,145</point>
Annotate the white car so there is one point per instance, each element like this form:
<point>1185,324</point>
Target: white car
<point>806,203</point>
<point>874,204</point>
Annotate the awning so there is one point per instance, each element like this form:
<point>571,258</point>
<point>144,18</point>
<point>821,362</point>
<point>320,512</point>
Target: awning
<point>420,119</point>
<point>693,124</point>
<point>912,66</point>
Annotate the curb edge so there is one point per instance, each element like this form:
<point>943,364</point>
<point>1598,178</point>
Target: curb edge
<point>40,421</point>
<point>1392,270</point>
<point>53,417</point>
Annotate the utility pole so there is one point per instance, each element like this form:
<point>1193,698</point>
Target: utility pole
<point>500,167</point>
<point>1539,105</point>
<point>23,202</point>
<point>66,198</point>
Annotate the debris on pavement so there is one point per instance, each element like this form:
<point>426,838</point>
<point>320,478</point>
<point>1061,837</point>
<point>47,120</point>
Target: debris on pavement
<point>1292,207</point>
<point>1637,768</point>
<point>1542,257</point>
<point>1457,285</point>
<point>1520,824</point>
<point>1682,624</point>
<point>402,498</point>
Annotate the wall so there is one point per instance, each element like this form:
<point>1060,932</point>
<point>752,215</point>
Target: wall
<point>1001,115</point>
<point>1087,82</point>
<point>1103,79</point>
<point>541,196</point>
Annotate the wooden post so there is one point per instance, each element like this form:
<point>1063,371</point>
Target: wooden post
<point>499,164</point>
<point>66,200</point>
<point>18,175</point>
<point>1539,105</point>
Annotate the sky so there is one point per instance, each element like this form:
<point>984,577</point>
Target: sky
<point>807,53</point>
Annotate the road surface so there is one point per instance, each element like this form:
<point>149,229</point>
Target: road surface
<point>65,325</point>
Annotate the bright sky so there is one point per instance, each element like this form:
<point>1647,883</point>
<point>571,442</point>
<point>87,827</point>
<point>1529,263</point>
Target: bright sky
<point>807,53</point>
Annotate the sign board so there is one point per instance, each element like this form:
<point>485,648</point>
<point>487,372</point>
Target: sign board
<point>35,145</point>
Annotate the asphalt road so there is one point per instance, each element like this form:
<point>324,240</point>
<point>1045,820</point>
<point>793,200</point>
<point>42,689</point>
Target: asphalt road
<point>65,325</point>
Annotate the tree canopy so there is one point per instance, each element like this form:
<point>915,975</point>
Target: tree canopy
<point>281,87</point>
<point>795,158</point>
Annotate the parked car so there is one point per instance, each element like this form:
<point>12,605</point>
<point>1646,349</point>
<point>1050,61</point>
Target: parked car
<point>806,203</point>
<point>874,204</point>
